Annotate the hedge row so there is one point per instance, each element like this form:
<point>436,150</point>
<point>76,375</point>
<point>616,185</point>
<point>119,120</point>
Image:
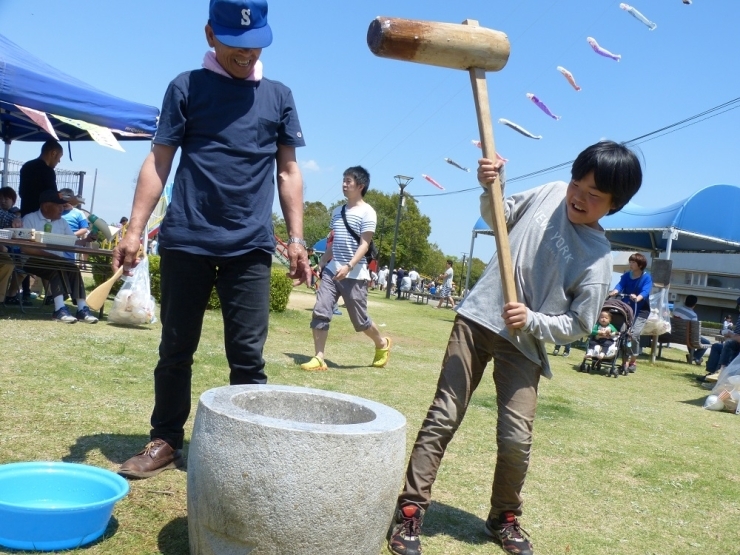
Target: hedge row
<point>280,284</point>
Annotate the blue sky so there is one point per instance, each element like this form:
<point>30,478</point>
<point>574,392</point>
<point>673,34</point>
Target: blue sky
<point>402,118</point>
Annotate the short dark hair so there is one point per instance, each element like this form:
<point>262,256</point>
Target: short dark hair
<point>51,146</point>
<point>449,262</point>
<point>691,301</point>
<point>360,175</point>
<point>8,192</point>
<point>640,259</point>
<point>616,170</point>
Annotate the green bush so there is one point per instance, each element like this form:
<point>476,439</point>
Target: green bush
<point>280,288</point>
<point>154,281</point>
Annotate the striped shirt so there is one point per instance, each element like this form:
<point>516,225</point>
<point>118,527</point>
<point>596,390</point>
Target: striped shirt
<point>361,219</point>
<point>685,313</point>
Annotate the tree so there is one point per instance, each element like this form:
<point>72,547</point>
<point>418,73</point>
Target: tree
<point>316,218</point>
<point>476,270</point>
<point>413,231</point>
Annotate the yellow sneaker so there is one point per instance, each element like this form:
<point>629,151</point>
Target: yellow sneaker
<point>712,377</point>
<point>382,355</point>
<point>314,365</point>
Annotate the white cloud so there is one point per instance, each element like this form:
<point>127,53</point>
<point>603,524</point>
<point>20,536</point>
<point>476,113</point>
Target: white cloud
<point>311,166</point>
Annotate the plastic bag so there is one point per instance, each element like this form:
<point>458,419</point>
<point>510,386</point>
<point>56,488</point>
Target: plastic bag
<point>727,388</point>
<point>134,304</point>
<point>657,324</point>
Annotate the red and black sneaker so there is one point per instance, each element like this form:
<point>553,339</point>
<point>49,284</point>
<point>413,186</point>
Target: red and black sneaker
<point>404,535</point>
<point>506,532</point>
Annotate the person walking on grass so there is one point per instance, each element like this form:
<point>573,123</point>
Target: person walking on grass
<point>446,289</point>
<point>635,285</point>
<point>562,267</point>
<point>344,271</point>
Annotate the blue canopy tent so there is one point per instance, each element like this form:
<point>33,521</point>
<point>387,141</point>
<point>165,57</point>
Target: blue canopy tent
<point>704,222</point>
<point>480,228</point>
<point>29,82</point>
<point>320,246</point>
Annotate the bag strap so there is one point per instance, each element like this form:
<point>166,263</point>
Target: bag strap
<point>351,231</point>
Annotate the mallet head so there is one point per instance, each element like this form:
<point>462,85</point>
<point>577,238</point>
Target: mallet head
<point>451,45</point>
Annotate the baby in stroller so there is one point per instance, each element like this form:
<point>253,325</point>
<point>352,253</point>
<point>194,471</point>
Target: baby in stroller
<point>601,342</point>
<point>608,336</point>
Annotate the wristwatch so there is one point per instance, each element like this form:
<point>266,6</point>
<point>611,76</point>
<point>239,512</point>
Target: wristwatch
<point>301,242</point>
<point>350,266</point>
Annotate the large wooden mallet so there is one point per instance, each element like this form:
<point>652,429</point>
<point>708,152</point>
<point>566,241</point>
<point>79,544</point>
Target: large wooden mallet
<point>469,47</point>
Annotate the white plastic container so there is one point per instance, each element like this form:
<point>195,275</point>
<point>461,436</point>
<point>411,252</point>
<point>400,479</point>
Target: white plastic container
<point>47,238</point>
<point>56,239</point>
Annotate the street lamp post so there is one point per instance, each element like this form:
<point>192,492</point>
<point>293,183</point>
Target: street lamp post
<point>402,181</point>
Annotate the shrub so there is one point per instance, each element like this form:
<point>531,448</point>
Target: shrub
<point>154,281</point>
<point>280,288</point>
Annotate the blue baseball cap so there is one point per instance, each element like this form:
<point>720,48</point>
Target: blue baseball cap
<point>240,23</point>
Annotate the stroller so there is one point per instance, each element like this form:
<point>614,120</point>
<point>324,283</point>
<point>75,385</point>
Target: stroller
<point>622,319</point>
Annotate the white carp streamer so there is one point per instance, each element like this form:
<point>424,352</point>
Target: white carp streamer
<point>638,16</point>
<point>519,129</point>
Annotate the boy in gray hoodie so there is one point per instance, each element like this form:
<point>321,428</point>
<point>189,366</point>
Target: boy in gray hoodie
<point>562,269</point>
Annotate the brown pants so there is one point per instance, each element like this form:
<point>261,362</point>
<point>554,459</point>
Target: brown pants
<point>516,377</point>
<point>6,271</point>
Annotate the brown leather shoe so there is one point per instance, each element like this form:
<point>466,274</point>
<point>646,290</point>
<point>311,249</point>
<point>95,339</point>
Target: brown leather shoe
<point>156,457</point>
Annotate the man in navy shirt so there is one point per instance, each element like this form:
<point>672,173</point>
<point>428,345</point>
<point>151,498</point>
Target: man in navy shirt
<point>233,126</point>
<point>38,175</point>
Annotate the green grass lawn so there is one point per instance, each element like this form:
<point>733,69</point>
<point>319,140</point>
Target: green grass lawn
<point>626,466</point>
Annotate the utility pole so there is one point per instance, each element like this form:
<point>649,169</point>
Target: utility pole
<point>403,181</point>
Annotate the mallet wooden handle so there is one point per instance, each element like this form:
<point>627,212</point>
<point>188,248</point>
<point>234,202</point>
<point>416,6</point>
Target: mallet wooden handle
<point>485,128</point>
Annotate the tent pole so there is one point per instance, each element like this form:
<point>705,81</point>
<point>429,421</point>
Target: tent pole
<point>668,235</point>
<point>470,262</point>
<point>6,156</point>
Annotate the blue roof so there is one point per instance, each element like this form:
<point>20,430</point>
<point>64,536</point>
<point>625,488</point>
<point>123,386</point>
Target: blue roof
<point>482,227</point>
<point>707,221</point>
<point>320,246</point>
<point>29,82</point>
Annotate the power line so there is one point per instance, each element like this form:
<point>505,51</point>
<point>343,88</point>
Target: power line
<point>652,135</point>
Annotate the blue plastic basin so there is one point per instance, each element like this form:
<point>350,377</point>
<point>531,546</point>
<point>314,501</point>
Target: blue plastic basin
<point>45,506</point>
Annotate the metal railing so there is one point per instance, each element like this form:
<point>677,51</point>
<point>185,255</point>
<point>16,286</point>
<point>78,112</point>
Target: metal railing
<point>65,178</point>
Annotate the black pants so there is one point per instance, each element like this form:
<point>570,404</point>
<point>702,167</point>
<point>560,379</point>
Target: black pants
<point>61,281</point>
<point>243,286</point>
